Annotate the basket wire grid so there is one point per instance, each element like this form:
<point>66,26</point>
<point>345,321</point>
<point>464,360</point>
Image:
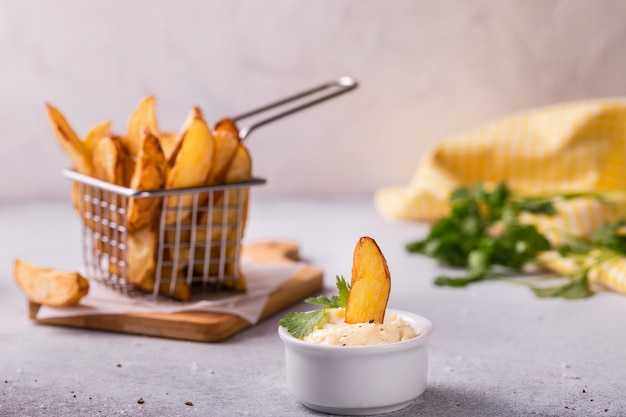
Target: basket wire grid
<point>204,255</point>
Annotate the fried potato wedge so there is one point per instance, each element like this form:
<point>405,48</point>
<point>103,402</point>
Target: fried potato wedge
<point>150,174</point>
<point>224,169</point>
<point>227,125</point>
<point>370,285</point>
<point>111,163</point>
<point>143,117</point>
<point>192,161</point>
<point>109,160</point>
<point>141,258</point>
<point>169,143</point>
<point>239,170</point>
<point>226,144</point>
<point>49,287</point>
<point>97,131</point>
<point>71,144</point>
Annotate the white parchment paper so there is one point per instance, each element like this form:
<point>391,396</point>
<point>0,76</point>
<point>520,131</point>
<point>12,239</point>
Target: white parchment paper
<point>261,281</point>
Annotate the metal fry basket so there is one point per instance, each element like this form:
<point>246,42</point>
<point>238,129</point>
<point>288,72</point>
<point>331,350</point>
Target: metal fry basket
<point>197,239</point>
<point>180,256</point>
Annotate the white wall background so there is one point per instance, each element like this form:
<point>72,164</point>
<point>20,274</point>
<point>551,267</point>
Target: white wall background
<point>427,69</point>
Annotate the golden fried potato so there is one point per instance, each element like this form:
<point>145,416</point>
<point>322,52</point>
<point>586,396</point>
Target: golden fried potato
<point>49,287</point>
<point>110,161</point>
<point>226,148</point>
<point>226,144</point>
<point>71,144</point>
<point>141,260</point>
<point>80,204</point>
<point>240,170</point>
<point>141,257</point>
<point>370,285</point>
<point>191,162</point>
<point>227,125</point>
<point>99,130</point>
<point>169,143</point>
<point>150,174</point>
<point>142,118</point>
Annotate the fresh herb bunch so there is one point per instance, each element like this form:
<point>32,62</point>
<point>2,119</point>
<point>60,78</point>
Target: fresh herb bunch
<point>300,324</point>
<point>484,235</point>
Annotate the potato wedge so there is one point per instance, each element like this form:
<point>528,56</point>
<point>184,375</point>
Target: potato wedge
<point>194,114</point>
<point>111,164</point>
<point>150,174</point>
<point>141,259</point>
<point>49,287</point>
<point>227,147</point>
<point>143,117</point>
<point>71,144</point>
<point>370,285</point>
<point>227,125</point>
<point>226,144</point>
<point>192,162</point>
<point>101,129</point>
<point>169,143</point>
<point>239,170</point>
<point>110,160</point>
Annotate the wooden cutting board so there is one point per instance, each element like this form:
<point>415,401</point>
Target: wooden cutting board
<point>204,326</point>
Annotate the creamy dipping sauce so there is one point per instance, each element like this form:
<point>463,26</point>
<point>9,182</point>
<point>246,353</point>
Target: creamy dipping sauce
<point>335,331</point>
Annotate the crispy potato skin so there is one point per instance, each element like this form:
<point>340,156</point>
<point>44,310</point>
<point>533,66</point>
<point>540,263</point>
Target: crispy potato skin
<point>192,162</point>
<point>226,145</point>
<point>110,160</point>
<point>97,131</point>
<point>227,125</point>
<point>169,143</point>
<point>150,173</point>
<point>142,118</point>
<point>370,286</point>
<point>69,141</point>
<point>49,287</point>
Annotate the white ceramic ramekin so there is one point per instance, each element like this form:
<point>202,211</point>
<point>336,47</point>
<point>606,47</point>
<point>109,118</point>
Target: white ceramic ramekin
<point>359,380</point>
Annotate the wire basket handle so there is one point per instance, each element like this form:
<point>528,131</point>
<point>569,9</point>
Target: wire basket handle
<point>337,87</point>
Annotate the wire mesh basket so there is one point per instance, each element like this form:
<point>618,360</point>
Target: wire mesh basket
<point>195,243</point>
<point>181,249</point>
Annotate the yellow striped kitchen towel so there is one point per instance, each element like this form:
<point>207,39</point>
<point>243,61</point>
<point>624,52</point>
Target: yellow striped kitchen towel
<point>573,147</point>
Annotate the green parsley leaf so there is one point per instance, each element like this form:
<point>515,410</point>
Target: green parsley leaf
<point>335,301</point>
<point>344,288</point>
<point>610,236</point>
<point>575,246</point>
<point>300,324</point>
<point>458,281</point>
<point>534,206</point>
<point>575,289</point>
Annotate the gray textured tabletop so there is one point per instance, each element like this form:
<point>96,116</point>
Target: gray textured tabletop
<point>496,350</point>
